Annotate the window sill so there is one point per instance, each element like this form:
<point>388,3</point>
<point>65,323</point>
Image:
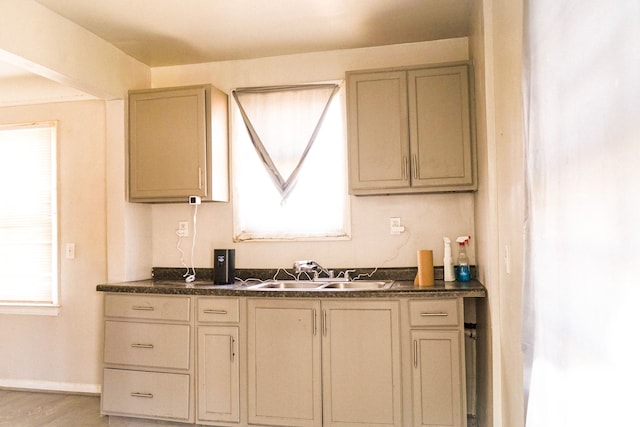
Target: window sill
<point>247,237</point>
<point>30,309</point>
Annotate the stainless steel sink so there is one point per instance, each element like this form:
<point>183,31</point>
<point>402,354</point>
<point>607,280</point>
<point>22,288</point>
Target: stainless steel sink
<point>361,285</point>
<point>287,284</point>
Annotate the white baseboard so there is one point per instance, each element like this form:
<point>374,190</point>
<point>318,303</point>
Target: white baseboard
<point>50,386</point>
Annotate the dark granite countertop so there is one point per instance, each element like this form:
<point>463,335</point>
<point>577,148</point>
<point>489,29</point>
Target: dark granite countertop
<point>165,281</point>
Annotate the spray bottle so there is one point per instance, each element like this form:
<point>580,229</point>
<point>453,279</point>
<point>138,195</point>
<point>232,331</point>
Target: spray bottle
<point>463,274</point>
<point>449,272</point>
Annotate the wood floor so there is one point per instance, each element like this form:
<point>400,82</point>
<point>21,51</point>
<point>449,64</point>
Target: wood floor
<point>32,409</point>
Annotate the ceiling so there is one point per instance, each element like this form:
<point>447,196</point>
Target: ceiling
<point>176,32</point>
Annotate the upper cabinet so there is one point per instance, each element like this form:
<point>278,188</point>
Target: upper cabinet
<point>411,130</point>
<point>178,144</point>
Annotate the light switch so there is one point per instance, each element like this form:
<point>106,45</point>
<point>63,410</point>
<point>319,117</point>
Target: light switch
<point>507,259</point>
<point>71,251</point>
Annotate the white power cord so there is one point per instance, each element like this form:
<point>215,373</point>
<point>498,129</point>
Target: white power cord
<point>191,277</point>
<point>190,274</point>
<point>178,243</point>
<point>391,258</point>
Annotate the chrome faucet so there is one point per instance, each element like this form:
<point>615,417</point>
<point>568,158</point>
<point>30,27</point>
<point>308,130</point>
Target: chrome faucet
<point>310,266</point>
<point>347,275</point>
<point>305,266</point>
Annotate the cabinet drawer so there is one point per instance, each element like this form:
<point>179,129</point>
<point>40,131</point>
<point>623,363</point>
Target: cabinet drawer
<point>434,312</point>
<point>149,394</point>
<point>150,307</point>
<point>218,310</point>
<point>147,344</point>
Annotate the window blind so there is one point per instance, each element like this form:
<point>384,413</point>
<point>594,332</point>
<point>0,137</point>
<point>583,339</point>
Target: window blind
<point>28,214</point>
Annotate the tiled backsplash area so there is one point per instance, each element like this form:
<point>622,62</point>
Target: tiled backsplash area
<point>396,273</point>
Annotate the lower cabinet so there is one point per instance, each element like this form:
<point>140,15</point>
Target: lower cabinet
<point>234,361</point>
<point>324,363</point>
<point>218,374</point>
<point>437,371</point>
<point>284,361</point>
<point>361,363</point>
<point>437,398</point>
<point>218,360</point>
<point>148,357</point>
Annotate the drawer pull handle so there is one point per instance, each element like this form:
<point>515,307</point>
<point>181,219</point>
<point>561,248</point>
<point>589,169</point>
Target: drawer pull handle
<point>145,395</point>
<point>142,308</point>
<point>142,345</point>
<point>209,311</point>
<point>441,314</point>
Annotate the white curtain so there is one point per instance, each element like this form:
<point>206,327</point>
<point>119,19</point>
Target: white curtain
<point>313,203</point>
<point>283,123</point>
<point>582,287</point>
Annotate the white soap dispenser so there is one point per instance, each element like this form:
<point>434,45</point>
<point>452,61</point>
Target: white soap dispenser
<point>449,271</point>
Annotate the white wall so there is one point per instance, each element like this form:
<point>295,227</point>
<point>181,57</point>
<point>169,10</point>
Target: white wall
<point>128,224</point>
<point>35,38</point>
<point>496,48</point>
<point>509,142</point>
<point>485,228</point>
<point>426,217</point>
<point>64,352</point>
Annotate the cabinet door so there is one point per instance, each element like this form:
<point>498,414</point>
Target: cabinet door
<point>284,374</point>
<point>168,144</point>
<point>218,374</point>
<point>437,379</point>
<point>378,130</point>
<point>440,128</point>
<point>361,363</point>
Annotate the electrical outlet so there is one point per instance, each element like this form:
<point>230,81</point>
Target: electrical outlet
<point>183,229</point>
<point>395,226</point>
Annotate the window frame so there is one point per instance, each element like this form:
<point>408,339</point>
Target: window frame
<point>52,307</point>
<point>345,233</point>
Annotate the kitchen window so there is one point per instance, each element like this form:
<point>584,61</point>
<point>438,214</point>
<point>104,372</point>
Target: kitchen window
<point>289,165</point>
<point>28,219</point>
